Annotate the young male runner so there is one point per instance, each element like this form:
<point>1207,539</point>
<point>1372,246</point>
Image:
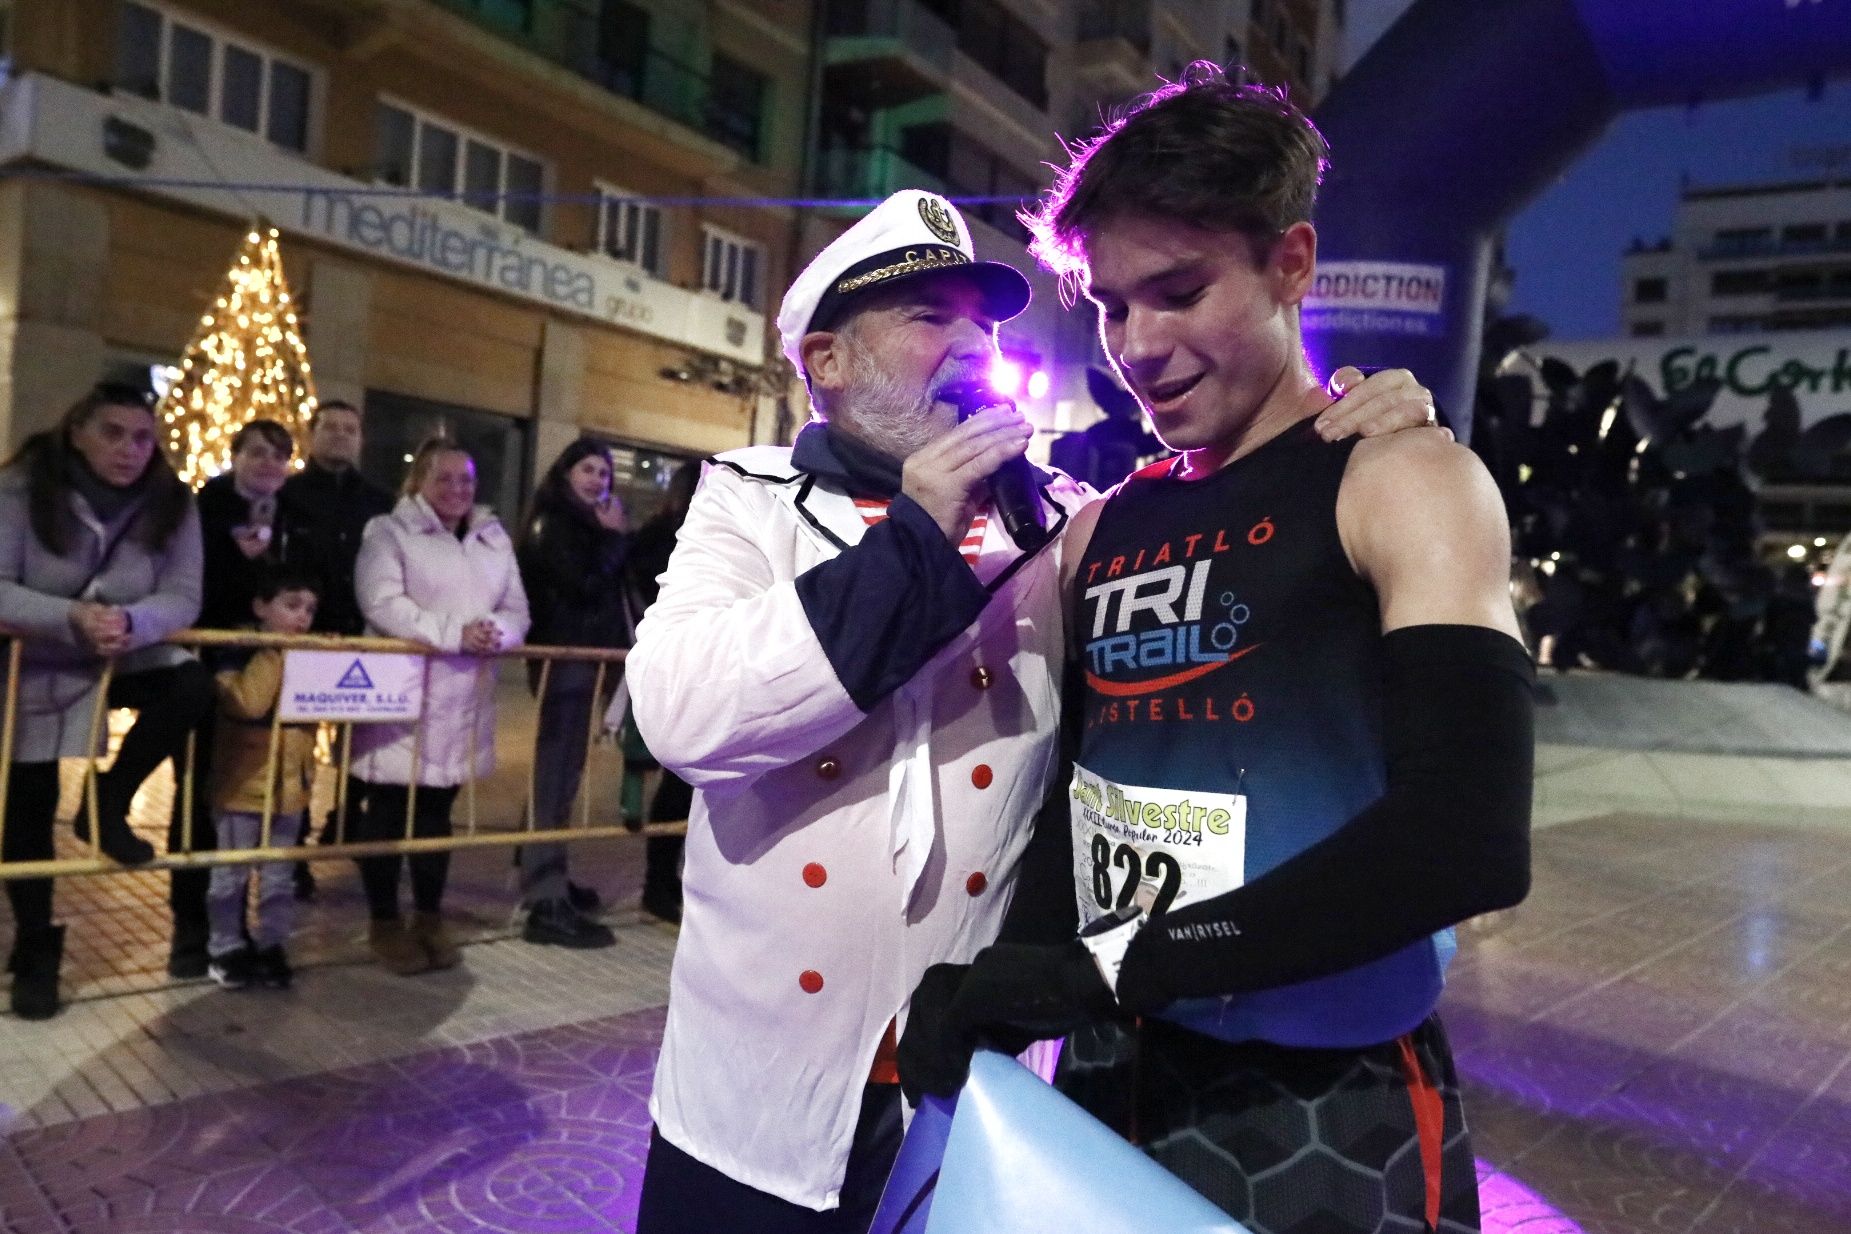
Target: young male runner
<point>1305,739</point>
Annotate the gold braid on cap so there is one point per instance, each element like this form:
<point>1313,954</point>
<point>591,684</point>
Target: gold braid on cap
<point>913,261</point>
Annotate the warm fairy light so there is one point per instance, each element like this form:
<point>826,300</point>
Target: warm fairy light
<point>246,362</point>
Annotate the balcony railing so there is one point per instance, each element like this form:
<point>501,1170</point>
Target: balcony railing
<point>1830,291</point>
<point>907,21</point>
<point>1772,247</point>
<point>886,53</point>
<point>868,172</point>
<point>1128,20</point>
<point>567,32</point>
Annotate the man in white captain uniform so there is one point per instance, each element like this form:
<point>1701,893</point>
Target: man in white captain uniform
<point>857,669</point>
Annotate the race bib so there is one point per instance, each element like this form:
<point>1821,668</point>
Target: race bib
<point>1153,848</point>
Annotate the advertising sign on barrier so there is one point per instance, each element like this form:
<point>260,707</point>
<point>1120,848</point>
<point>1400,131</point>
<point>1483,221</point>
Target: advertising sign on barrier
<point>356,687</point>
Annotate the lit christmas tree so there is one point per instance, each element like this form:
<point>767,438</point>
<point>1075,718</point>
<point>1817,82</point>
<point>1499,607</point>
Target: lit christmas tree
<point>246,362</point>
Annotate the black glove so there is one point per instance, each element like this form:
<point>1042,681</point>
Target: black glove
<point>1010,996</point>
<point>932,1057</point>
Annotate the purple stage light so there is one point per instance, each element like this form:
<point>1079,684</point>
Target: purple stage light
<point>1508,1207</point>
<point>1038,383</point>
<point>1005,376</point>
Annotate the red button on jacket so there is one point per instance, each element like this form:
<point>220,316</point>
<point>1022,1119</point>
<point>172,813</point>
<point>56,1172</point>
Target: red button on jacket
<point>811,981</point>
<point>976,884</point>
<point>815,875</point>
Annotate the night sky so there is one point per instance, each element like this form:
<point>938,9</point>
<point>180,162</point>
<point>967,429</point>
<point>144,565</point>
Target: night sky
<point>1566,246</point>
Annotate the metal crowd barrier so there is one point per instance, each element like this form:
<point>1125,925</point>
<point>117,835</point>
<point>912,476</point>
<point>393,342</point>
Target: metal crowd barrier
<point>469,832</point>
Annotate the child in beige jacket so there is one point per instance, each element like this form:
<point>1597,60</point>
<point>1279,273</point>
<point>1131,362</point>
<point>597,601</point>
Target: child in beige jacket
<point>248,697</point>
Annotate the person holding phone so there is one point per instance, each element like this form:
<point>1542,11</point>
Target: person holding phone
<point>243,537</point>
<point>572,552</point>
<point>243,540</point>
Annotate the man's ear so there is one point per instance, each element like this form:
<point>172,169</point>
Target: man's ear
<point>822,359</point>
<point>1295,262</point>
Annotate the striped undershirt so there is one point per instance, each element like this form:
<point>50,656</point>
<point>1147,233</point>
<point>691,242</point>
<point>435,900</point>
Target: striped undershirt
<point>874,510</point>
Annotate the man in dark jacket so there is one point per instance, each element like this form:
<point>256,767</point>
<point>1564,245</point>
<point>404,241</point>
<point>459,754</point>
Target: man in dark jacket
<point>326,506</point>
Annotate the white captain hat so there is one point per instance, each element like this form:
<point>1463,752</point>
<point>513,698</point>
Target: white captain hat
<point>909,234</point>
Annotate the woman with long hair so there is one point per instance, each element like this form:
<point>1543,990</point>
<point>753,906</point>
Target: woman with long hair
<point>438,570</point>
<point>572,549</point>
<point>99,560</point>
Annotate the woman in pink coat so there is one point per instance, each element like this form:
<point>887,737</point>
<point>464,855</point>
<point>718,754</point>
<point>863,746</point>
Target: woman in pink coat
<point>439,570</point>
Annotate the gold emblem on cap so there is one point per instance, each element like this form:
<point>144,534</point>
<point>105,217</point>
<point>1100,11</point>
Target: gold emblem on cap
<point>937,218</point>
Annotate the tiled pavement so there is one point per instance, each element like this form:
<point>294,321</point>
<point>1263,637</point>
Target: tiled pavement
<point>1659,1039</point>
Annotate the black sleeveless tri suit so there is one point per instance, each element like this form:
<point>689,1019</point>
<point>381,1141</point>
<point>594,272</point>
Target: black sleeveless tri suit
<point>1231,654</point>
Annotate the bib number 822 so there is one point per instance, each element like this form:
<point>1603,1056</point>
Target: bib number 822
<point>1158,867</point>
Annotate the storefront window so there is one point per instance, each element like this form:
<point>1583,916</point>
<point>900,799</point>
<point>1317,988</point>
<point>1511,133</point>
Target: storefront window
<point>413,150</point>
<point>396,424</point>
<point>640,477</point>
<point>211,73</point>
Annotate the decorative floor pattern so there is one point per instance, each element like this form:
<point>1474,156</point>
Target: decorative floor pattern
<point>1658,1040</point>
<point>537,1132</point>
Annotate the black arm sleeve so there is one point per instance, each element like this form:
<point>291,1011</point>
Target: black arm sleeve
<point>886,605</point>
<point>1447,841</point>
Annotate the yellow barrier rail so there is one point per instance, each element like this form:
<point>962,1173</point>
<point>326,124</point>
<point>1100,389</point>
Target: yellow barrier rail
<point>472,834</point>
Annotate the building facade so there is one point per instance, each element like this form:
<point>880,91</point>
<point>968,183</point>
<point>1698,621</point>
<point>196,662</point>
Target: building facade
<point>1751,291</point>
<point>1746,259</point>
<point>971,98</point>
<point>517,220</point>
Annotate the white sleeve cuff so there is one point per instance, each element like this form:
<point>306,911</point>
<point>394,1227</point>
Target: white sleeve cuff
<point>1108,947</point>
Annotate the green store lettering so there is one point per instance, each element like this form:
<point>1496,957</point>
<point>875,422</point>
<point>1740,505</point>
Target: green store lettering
<point>1752,371</point>
<point>1182,816</point>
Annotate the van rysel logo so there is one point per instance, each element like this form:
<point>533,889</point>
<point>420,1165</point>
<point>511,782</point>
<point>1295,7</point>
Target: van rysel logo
<point>937,217</point>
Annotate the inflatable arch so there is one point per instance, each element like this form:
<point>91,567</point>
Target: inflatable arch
<point>1466,109</point>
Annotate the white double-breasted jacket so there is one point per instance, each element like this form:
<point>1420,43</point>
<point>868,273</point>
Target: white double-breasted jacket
<point>833,854</point>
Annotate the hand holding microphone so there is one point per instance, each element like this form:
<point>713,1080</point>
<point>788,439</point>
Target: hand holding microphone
<point>983,456</point>
<point>951,477</point>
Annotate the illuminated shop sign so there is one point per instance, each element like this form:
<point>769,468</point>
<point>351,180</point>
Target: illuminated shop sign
<point>207,165</point>
<point>1376,297</point>
<point>1815,365</point>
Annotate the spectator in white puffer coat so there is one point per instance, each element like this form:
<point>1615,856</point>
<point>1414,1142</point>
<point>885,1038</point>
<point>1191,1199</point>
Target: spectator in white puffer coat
<point>439,570</point>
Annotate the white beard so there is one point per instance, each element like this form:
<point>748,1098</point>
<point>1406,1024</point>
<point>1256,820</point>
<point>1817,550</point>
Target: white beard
<point>875,407</point>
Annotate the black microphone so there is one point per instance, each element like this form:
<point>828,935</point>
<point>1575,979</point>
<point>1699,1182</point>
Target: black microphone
<point>1012,486</point>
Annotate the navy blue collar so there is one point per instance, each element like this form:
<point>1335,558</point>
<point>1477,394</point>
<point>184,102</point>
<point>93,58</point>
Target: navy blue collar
<point>828,452</point>
<point>831,454</point>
